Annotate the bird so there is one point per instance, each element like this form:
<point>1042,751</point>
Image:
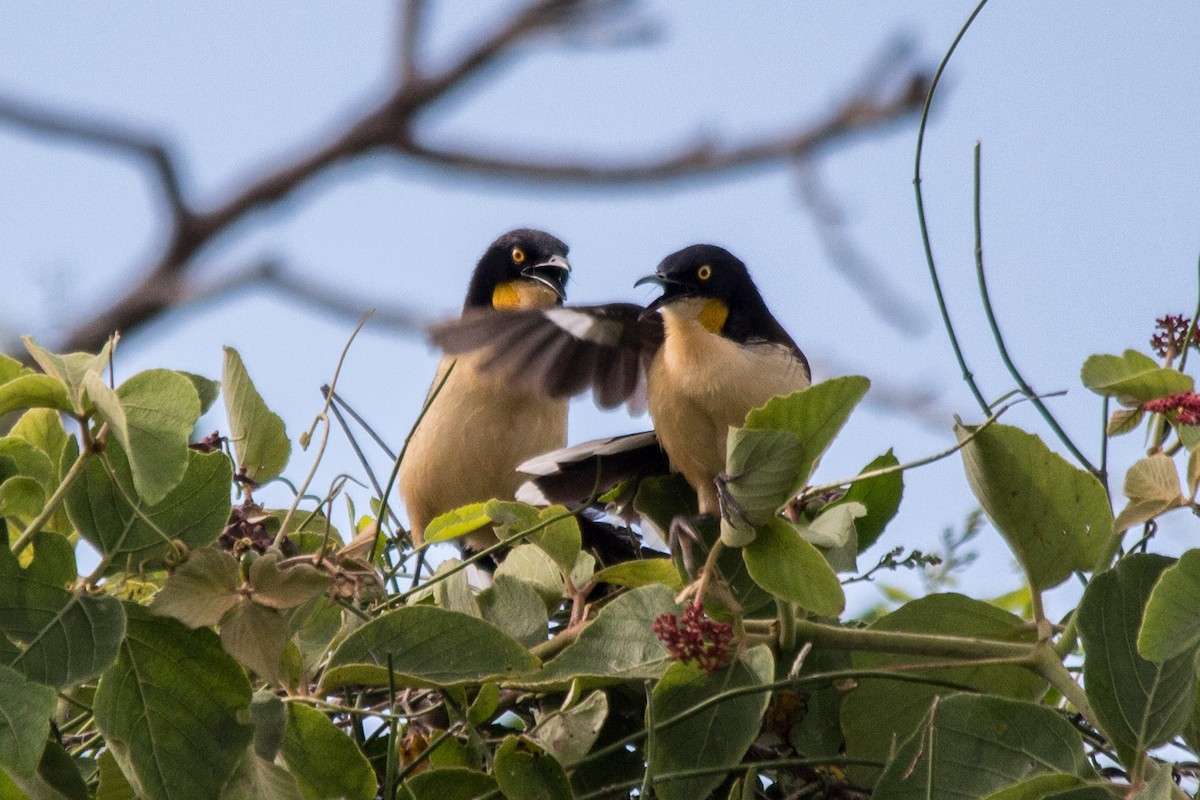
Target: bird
<point>699,357</point>
<point>478,428</point>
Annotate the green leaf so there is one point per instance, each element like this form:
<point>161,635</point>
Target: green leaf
<point>70,370</point>
<point>560,539</point>
<point>1124,420</point>
<point>485,705</point>
<point>324,759</point>
<point>976,745</point>
<point>815,414</point>
<point>1132,376</point>
<point>524,771</point>
<point>42,428</point>
<point>288,586</point>
<point>632,574</point>
<point>452,593</point>
<point>256,636</point>
<point>261,779</point>
<point>871,735</point>
<point>1160,787</point>
<point>452,783</point>
<point>618,645</point>
<point>201,590</point>
<point>34,391</point>
<point>1038,787</point>
<point>516,608</point>
<point>1140,704</point>
<point>112,519</point>
<point>1054,516</point>
<point>532,564</point>
<point>660,500</point>
<point>880,495</point>
<point>113,785</point>
<point>429,647</point>
<point>21,498</point>
<point>152,415</point>
<point>25,710</point>
<point>170,709</point>
<point>765,469</point>
<point>1171,624</point>
<point>719,735</point>
<point>57,776</point>
<point>1152,486</point>
<point>457,522</point>
<point>569,733</point>
<point>9,368</point>
<point>268,714</point>
<point>206,389</point>
<point>257,433</point>
<point>64,637</point>
<point>29,461</point>
<point>790,568</point>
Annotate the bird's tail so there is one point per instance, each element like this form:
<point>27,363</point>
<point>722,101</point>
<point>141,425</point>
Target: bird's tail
<point>582,473</point>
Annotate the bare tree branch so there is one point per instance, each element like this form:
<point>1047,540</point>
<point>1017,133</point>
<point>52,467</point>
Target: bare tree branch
<point>701,159</point>
<point>273,275</point>
<point>107,135</point>
<point>864,275</point>
<point>411,19</point>
<point>389,125</point>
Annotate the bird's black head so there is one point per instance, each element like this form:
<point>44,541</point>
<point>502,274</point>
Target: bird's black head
<point>522,269</point>
<point>703,270</point>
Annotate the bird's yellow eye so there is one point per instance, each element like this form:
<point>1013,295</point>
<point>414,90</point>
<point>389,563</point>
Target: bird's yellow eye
<point>704,273</point>
<point>518,255</point>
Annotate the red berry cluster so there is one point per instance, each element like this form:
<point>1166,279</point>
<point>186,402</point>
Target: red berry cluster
<point>1173,329</point>
<point>698,640</point>
<point>1186,406</point>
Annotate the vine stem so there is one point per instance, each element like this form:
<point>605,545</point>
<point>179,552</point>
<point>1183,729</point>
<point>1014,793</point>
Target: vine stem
<point>984,295</point>
<point>813,491</point>
<point>322,417</point>
<point>925,241</point>
<point>85,454</point>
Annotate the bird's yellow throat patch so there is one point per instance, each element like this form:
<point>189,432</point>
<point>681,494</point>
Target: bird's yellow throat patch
<point>713,315</point>
<point>522,294</point>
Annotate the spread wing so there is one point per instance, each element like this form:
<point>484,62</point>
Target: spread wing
<point>562,351</point>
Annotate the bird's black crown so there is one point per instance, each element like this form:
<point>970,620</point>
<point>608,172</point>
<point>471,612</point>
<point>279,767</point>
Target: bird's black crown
<point>523,253</point>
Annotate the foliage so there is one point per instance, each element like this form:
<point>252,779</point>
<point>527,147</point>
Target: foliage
<point>214,648</point>
<point>220,649</point>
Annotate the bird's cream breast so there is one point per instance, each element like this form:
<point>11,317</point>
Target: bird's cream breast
<point>467,446</point>
<point>702,383</point>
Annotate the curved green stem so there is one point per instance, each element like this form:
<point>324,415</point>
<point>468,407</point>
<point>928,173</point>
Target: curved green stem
<point>52,504</point>
<point>1026,389</point>
<point>937,284</point>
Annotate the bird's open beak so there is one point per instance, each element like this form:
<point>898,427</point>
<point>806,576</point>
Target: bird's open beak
<point>672,290</point>
<point>551,273</point>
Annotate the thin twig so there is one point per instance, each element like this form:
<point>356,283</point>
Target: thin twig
<point>1026,389</point>
<point>967,376</point>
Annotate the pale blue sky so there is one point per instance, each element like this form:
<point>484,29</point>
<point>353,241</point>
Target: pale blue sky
<point>1089,116</point>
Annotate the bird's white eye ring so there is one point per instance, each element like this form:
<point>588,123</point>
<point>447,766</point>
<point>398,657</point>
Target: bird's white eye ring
<point>704,273</point>
<point>518,255</point>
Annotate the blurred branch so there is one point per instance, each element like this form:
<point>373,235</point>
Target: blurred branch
<point>271,274</point>
<point>103,134</point>
<point>863,274</point>
<point>166,282</point>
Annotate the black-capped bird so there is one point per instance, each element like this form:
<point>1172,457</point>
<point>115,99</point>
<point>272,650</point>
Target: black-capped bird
<point>480,427</point>
<point>701,356</point>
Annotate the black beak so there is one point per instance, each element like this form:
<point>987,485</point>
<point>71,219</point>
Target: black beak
<point>672,290</point>
<point>551,273</point>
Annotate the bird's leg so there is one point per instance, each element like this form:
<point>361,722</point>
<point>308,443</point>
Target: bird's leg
<point>683,537</point>
<point>731,510</point>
